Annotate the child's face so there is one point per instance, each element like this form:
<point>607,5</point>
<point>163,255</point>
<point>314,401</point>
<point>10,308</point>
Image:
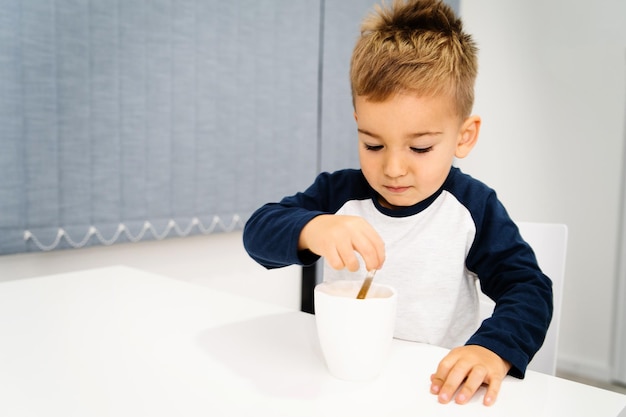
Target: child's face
<point>407,145</point>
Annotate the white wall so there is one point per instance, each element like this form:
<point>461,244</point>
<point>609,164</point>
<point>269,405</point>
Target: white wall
<point>551,91</point>
<point>217,260</point>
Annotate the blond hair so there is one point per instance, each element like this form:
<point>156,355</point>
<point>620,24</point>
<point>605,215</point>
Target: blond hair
<point>415,46</point>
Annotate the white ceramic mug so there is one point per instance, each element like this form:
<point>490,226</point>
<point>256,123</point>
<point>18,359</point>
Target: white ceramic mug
<point>355,335</point>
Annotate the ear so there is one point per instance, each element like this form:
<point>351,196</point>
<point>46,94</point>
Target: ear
<point>468,136</point>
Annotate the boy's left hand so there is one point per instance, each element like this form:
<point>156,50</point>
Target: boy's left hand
<point>465,369</point>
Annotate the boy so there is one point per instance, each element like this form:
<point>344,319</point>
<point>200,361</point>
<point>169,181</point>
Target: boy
<point>429,229</point>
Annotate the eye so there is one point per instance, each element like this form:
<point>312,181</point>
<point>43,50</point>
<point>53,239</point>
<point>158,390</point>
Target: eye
<point>373,147</point>
<point>422,150</point>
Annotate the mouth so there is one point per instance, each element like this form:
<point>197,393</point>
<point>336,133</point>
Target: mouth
<point>395,189</point>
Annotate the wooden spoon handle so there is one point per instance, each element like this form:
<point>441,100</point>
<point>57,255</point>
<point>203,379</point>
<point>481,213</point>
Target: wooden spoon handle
<point>366,285</point>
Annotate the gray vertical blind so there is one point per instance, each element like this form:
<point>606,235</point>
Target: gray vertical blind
<point>123,120</point>
<point>341,29</point>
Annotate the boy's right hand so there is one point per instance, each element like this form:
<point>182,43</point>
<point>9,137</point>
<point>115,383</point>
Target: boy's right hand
<point>337,237</point>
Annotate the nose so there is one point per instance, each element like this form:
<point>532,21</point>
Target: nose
<point>394,165</point>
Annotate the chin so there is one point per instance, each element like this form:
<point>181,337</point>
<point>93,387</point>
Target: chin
<point>396,203</point>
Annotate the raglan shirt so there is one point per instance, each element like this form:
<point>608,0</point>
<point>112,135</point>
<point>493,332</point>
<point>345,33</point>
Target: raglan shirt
<point>435,252</point>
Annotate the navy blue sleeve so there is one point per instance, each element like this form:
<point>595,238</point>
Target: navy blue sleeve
<point>271,234</point>
<point>509,274</point>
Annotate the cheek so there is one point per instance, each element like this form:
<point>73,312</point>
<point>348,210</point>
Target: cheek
<point>368,165</point>
<point>364,158</point>
<point>438,171</point>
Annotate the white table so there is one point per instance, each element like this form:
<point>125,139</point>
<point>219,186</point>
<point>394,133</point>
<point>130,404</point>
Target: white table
<point>122,342</point>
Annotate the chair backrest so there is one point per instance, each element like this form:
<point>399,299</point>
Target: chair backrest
<point>549,242</point>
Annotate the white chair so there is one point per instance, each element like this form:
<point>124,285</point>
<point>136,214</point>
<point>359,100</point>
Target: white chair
<point>549,242</point>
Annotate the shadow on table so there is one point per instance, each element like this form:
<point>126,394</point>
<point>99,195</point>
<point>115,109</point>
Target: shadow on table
<point>279,353</point>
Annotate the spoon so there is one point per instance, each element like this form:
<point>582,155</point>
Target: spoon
<point>366,284</point>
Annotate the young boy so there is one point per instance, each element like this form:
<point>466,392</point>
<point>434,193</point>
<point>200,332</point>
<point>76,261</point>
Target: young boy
<point>428,228</point>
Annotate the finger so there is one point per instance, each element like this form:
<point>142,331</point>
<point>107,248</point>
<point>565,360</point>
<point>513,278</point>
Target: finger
<point>352,263</point>
<point>492,391</point>
<point>452,383</point>
<point>378,247</point>
<point>371,249</point>
<point>435,384</point>
<point>439,377</point>
<point>474,381</point>
<point>333,259</point>
<point>370,256</point>
<point>348,258</point>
